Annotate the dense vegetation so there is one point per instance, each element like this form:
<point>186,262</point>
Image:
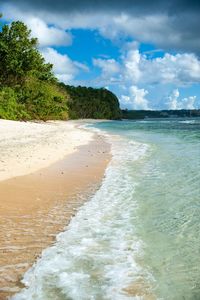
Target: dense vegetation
<point>92,103</point>
<point>29,89</point>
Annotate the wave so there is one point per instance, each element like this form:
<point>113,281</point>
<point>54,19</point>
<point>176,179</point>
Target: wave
<point>96,257</point>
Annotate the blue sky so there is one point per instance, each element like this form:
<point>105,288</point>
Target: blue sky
<point>136,53</point>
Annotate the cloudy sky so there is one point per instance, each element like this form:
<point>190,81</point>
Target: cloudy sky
<point>147,52</point>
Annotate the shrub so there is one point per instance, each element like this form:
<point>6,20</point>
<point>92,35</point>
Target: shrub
<point>9,107</point>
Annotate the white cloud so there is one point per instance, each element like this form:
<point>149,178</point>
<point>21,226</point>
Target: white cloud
<point>174,102</point>
<point>148,28</point>
<point>136,99</point>
<point>48,35</point>
<point>109,67</point>
<point>131,66</point>
<point>65,69</point>
<point>61,62</point>
<point>132,69</point>
<point>189,102</point>
<point>110,71</point>
<point>165,28</point>
<point>136,68</point>
<point>179,69</point>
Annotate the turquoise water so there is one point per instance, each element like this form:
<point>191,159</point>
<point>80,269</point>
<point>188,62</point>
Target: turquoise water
<point>138,237</point>
<point>168,197</point>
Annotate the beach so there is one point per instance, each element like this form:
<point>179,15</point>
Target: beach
<point>116,219</point>
<point>47,170</point>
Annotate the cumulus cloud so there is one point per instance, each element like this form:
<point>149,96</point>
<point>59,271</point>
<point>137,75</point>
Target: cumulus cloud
<point>189,102</point>
<point>109,67</point>
<point>172,24</point>
<point>131,65</point>
<point>135,68</point>
<point>136,99</point>
<point>64,68</point>
<point>110,71</point>
<point>174,102</point>
<point>48,35</point>
<point>180,69</point>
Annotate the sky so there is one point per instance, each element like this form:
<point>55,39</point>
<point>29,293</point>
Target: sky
<point>146,52</point>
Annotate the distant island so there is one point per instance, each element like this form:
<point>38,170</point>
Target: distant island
<point>144,114</point>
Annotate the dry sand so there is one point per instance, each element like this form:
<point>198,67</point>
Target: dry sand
<point>26,147</point>
<point>35,207</point>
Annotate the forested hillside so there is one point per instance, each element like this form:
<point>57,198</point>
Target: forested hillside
<point>29,89</point>
<point>92,103</point>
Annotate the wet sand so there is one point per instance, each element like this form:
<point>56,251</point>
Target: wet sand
<point>35,207</point>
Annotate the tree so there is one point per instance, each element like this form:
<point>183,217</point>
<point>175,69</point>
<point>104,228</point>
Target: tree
<point>29,90</point>
<point>19,56</point>
<point>92,103</point>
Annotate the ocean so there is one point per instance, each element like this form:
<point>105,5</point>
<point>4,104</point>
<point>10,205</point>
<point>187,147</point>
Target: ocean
<point>138,237</point>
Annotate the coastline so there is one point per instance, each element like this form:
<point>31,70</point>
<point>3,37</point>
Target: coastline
<point>36,206</point>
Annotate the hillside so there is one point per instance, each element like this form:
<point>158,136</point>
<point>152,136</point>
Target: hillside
<point>29,89</point>
<point>87,102</point>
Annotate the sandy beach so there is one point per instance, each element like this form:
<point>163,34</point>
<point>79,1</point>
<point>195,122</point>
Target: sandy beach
<point>28,146</point>
<point>47,170</point>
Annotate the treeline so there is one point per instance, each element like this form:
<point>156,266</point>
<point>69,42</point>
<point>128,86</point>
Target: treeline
<point>142,114</point>
<point>29,89</point>
<point>87,102</point>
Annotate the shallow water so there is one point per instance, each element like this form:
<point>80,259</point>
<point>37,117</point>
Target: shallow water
<point>139,236</point>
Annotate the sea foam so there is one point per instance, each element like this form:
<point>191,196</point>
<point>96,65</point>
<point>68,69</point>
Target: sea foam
<point>95,257</point>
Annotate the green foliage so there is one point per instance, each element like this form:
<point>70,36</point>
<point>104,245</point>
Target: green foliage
<point>9,106</point>
<point>44,100</point>
<point>28,87</point>
<point>29,90</point>
<point>37,100</point>
<point>19,56</point>
<point>92,103</point>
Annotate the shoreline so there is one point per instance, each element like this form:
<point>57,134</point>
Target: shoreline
<point>36,207</point>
